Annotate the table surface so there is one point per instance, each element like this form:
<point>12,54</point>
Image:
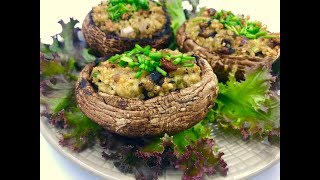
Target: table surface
<point>52,164</point>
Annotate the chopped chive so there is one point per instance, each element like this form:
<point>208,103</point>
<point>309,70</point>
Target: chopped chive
<point>250,36</point>
<point>161,71</point>
<point>142,66</point>
<point>155,55</point>
<point>235,30</point>
<point>122,63</point>
<point>134,51</point>
<point>112,8</point>
<point>138,74</point>
<point>261,33</point>
<point>148,47</point>
<point>95,74</point>
<point>188,58</point>
<point>269,36</point>
<point>176,56</point>
<point>126,59</point>
<point>133,64</point>
<point>150,69</point>
<point>139,48</point>
<point>176,61</point>
<point>188,65</point>
<point>167,57</point>
<point>114,58</point>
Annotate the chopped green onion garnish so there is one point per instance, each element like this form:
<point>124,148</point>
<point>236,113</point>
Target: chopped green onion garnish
<point>114,58</point>
<point>176,56</point>
<point>176,61</point>
<point>116,8</point>
<point>95,74</point>
<point>133,64</point>
<point>139,47</point>
<point>261,33</point>
<point>155,55</point>
<point>188,65</point>
<point>188,58</point>
<point>161,71</point>
<point>140,59</point>
<point>142,66</point>
<point>250,36</point>
<point>269,36</point>
<point>126,59</point>
<point>138,74</point>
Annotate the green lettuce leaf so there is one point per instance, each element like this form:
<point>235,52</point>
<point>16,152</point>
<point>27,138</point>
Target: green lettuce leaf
<point>81,131</point>
<point>60,63</point>
<point>249,106</point>
<point>176,13</point>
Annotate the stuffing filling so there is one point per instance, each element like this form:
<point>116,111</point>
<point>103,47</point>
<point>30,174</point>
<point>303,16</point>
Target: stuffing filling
<point>146,74</point>
<point>228,34</point>
<point>129,20</point>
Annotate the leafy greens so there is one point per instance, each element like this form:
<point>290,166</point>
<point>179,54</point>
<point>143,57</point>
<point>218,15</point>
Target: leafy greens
<point>60,63</point>
<point>249,106</point>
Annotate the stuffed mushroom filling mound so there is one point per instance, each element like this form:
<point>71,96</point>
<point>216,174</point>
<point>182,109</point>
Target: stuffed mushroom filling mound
<point>130,19</point>
<point>143,73</point>
<point>228,34</point>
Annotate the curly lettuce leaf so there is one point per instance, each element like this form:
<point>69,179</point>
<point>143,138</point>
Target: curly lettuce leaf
<point>176,13</point>
<point>81,131</point>
<point>61,57</point>
<point>249,106</point>
<point>60,63</point>
<point>201,159</point>
<point>125,154</point>
<point>193,149</point>
<point>56,93</point>
<point>181,140</point>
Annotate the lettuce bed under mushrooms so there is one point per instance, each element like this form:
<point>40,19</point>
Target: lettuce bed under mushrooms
<point>249,107</point>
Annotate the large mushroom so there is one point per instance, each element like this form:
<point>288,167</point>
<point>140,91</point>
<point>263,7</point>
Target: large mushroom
<point>223,61</point>
<point>171,113</point>
<point>115,42</point>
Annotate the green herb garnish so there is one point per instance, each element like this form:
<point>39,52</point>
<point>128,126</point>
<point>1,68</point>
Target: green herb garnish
<point>116,8</point>
<point>144,59</point>
<point>242,27</point>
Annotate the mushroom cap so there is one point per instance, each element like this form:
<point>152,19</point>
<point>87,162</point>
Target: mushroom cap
<point>221,64</point>
<point>169,114</point>
<point>111,44</point>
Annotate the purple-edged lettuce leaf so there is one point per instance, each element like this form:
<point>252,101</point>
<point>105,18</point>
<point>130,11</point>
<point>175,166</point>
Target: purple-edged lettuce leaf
<point>249,106</point>
<point>201,159</point>
<point>193,149</point>
<point>60,63</point>
<point>81,132</point>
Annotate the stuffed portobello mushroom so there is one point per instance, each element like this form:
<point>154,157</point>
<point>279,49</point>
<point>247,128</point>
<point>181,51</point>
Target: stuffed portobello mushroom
<point>115,26</point>
<point>147,92</point>
<point>229,42</point>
